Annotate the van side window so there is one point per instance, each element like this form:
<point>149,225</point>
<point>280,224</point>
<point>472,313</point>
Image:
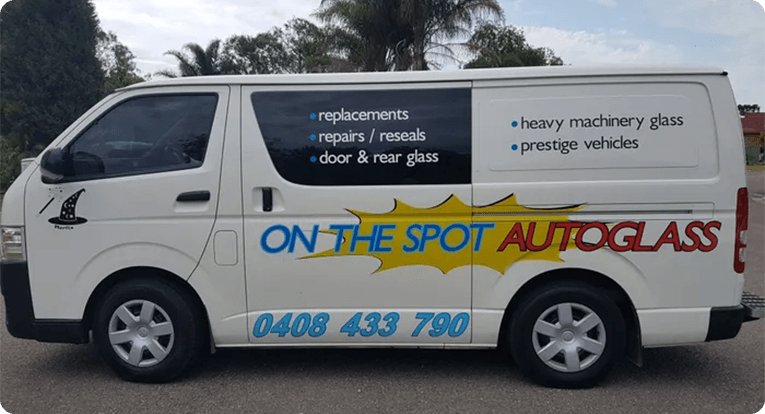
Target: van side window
<point>145,135</point>
<point>368,137</point>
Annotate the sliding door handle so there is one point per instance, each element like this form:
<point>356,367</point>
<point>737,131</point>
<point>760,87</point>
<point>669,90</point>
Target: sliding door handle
<point>268,199</point>
<point>194,196</point>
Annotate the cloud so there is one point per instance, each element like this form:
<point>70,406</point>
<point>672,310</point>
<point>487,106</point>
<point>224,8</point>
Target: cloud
<point>737,26</point>
<point>732,31</point>
<point>150,28</point>
<point>745,63</point>
<point>607,3</point>
<point>744,59</point>
<point>724,17</point>
<point>581,48</point>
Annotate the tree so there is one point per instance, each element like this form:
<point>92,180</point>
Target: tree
<point>298,47</point>
<point>49,71</point>
<point>202,62</point>
<point>432,22</point>
<point>10,159</point>
<point>505,46</point>
<point>748,109</point>
<point>314,49</point>
<point>370,26</point>
<point>261,54</point>
<point>117,62</point>
<point>405,34</point>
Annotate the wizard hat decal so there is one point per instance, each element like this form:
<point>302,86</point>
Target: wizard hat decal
<point>68,216</point>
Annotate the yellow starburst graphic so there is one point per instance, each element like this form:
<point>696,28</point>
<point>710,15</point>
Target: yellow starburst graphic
<point>454,234</point>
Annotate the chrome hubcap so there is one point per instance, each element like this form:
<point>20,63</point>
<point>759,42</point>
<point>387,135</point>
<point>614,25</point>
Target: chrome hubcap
<point>569,337</point>
<point>141,333</point>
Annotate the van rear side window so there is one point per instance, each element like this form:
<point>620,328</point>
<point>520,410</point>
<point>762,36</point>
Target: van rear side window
<point>145,135</point>
<point>575,127</point>
<point>377,137</point>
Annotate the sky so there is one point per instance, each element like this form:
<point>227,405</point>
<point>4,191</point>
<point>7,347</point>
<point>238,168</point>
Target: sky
<point>729,34</point>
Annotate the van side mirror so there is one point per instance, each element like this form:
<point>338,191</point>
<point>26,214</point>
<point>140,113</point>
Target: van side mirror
<point>54,165</point>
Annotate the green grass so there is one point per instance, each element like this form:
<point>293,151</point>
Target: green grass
<point>755,168</point>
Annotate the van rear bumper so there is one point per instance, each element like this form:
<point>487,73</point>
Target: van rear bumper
<point>725,322</point>
<point>19,314</point>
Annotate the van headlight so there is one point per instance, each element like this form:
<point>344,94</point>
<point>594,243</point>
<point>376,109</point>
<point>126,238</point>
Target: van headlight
<point>12,248</point>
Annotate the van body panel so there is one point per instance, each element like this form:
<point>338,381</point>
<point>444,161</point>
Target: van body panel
<point>494,291</point>
<point>683,182</point>
<point>121,222</point>
<point>547,74</point>
<point>222,288</point>
<point>659,327</point>
<point>12,212</point>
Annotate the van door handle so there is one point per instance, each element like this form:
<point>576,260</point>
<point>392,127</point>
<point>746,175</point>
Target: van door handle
<point>268,199</point>
<point>194,196</point>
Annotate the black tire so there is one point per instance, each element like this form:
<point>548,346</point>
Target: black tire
<point>582,297</point>
<point>181,348</point>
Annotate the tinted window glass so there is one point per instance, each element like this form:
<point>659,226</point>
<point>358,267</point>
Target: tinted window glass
<point>368,137</point>
<point>147,134</point>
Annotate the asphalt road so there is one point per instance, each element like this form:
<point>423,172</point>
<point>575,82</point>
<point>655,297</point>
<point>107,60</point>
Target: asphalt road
<point>718,377</point>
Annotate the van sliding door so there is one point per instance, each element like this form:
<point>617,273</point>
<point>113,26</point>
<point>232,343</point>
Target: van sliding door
<point>357,213</point>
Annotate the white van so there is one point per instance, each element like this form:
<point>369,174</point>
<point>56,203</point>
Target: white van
<point>573,215</point>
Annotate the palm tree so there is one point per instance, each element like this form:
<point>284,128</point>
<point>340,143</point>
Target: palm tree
<point>370,28</point>
<point>401,34</point>
<point>436,21</point>
<point>202,62</point>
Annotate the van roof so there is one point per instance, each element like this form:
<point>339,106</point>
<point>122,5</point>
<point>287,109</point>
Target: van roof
<point>433,76</point>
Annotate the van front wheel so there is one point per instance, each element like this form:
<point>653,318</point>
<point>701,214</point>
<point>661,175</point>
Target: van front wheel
<point>567,335</point>
<point>147,330</point>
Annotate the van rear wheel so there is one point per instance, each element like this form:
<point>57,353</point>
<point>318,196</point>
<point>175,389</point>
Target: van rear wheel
<point>567,335</point>
<point>148,330</point>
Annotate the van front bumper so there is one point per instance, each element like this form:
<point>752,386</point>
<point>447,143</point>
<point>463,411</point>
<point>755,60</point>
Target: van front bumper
<point>19,313</point>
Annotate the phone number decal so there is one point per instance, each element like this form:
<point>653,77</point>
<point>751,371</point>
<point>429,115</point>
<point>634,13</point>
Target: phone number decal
<point>362,324</point>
